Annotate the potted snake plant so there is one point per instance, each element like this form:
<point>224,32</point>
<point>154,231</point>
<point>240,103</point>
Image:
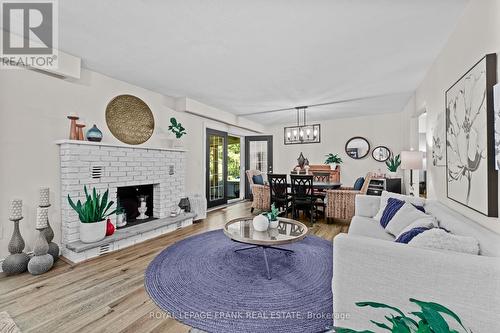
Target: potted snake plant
<point>393,164</point>
<point>92,214</point>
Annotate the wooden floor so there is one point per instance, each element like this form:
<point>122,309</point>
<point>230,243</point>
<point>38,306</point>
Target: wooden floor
<point>107,294</point>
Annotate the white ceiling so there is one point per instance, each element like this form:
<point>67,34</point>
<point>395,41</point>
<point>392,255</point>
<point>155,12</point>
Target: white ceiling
<point>249,56</point>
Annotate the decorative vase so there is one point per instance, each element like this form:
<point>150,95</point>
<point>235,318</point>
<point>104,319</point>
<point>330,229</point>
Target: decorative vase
<point>110,228</point>
<point>273,224</point>
<point>73,132</point>
<point>301,160</point>
<point>17,261</point>
<point>92,232</point>
<point>49,236</point>
<point>94,134</point>
<point>120,220</point>
<point>260,223</point>
<point>42,261</point>
<point>80,136</point>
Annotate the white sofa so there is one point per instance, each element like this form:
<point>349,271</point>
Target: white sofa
<point>369,266</point>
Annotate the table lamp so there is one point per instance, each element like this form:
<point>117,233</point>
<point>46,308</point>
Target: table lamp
<point>412,160</point>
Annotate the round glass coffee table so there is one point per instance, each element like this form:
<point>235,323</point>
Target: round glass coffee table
<point>288,231</point>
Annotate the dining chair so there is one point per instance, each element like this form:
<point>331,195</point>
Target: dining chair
<point>303,198</point>
<point>278,189</point>
<point>321,194</point>
<point>260,192</point>
<point>341,202</point>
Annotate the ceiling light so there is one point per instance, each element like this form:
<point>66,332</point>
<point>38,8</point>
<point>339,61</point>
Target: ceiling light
<point>302,129</point>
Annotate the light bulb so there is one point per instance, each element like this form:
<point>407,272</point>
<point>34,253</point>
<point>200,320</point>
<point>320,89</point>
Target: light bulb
<point>288,134</point>
<point>308,132</point>
<point>301,133</point>
<point>315,133</point>
<point>294,133</point>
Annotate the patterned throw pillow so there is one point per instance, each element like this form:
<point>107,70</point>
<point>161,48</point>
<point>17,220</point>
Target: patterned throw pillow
<point>393,206</point>
<point>404,217</point>
<point>407,236</point>
<point>385,197</point>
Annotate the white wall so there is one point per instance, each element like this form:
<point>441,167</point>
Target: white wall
<point>386,130</point>
<point>477,33</point>
<point>33,110</point>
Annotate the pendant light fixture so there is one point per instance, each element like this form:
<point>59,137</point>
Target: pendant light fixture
<point>302,133</point>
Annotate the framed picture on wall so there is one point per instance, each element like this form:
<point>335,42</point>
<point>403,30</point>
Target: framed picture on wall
<point>470,145</point>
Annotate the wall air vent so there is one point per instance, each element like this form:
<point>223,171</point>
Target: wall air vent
<point>96,172</point>
<point>105,248</point>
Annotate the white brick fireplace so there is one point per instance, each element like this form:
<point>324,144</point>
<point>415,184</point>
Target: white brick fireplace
<point>111,166</point>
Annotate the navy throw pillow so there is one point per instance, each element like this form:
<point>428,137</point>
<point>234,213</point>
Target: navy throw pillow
<point>358,184</point>
<point>410,234</point>
<point>420,208</point>
<point>393,206</point>
<point>258,180</point>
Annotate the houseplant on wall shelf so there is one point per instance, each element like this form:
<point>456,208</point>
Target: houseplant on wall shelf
<point>333,160</point>
<point>178,130</point>
<point>393,164</point>
<point>92,214</point>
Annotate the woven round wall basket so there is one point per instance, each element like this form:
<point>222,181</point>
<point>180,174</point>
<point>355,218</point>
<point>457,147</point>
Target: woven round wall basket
<point>129,119</point>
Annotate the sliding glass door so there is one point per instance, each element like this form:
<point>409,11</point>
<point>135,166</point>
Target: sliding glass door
<point>216,168</point>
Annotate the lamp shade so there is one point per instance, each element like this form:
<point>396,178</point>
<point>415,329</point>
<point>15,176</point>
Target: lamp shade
<point>412,160</point>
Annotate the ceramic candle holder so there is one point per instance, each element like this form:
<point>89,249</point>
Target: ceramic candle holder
<point>44,197</point>
<point>16,210</point>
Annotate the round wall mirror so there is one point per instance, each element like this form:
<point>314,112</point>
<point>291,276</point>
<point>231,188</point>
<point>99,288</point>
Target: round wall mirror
<point>381,153</point>
<point>357,147</point>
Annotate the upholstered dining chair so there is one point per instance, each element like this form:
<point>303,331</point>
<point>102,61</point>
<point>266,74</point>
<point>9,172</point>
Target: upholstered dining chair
<point>340,202</point>
<point>303,198</point>
<point>260,192</point>
<point>278,189</point>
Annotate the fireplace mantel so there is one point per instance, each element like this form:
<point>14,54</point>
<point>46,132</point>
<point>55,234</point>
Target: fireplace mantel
<point>104,144</point>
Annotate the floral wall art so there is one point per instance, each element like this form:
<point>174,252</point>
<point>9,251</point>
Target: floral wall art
<point>438,141</point>
<point>470,158</point>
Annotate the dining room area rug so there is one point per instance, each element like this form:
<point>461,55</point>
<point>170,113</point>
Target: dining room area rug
<point>202,282</point>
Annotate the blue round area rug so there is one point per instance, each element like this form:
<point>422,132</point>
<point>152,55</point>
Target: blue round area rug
<point>203,283</point>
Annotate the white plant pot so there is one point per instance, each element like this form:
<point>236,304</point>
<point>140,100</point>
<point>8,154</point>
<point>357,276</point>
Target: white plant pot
<point>260,223</point>
<point>273,224</point>
<point>333,166</point>
<point>92,232</point>
<point>392,174</point>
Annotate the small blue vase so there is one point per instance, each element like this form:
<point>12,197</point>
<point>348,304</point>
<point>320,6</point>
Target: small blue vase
<point>94,134</point>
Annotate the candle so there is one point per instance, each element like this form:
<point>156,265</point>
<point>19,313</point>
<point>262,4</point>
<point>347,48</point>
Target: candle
<point>16,212</point>
<point>44,197</point>
<point>42,216</point>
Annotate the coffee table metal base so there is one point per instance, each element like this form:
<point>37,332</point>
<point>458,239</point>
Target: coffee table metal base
<point>264,247</point>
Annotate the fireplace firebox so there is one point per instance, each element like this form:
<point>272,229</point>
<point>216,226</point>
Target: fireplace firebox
<point>130,198</point>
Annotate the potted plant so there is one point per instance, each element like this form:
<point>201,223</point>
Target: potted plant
<point>92,214</point>
<point>393,164</point>
<point>333,160</point>
<point>272,216</point>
